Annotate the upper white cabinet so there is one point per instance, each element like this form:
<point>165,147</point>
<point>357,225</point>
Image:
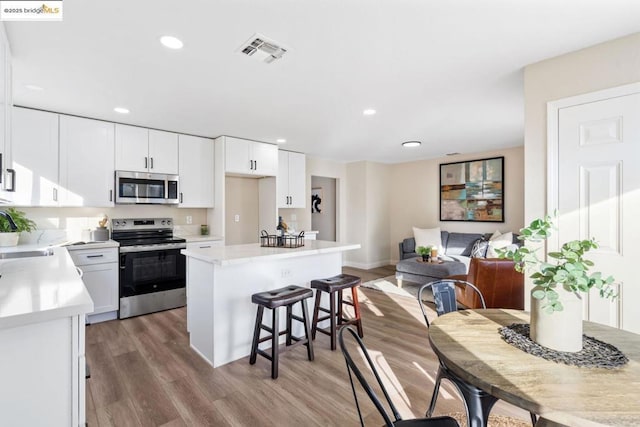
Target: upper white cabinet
<point>34,149</point>
<point>146,150</point>
<point>6,102</point>
<point>163,152</point>
<point>196,161</point>
<point>245,157</point>
<point>291,180</point>
<point>86,162</point>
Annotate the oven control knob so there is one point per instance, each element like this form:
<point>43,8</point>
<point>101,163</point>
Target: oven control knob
<point>124,223</point>
<point>168,222</point>
<point>117,223</point>
<point>163,222</point>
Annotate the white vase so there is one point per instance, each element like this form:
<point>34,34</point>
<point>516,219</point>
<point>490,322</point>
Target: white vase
<point>559,330</point>
<point>9,239</point>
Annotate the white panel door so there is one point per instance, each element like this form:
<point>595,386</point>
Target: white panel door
<point>35,157</point>
<point>196,172</point>
<point>163,152</point>
<point>86,162</point>
<point>297,180</point>
<point>599,196</point>
<point>132,148</point>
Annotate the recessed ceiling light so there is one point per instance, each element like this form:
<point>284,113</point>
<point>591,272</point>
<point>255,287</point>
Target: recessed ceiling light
<point>411,143</point>
<point>121,110</point>
<point>369,112</point>
<point>34,87</point>
<point>281,140</point>
<point>171,42</point>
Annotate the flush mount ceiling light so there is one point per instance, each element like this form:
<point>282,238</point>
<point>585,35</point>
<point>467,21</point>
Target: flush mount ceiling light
<point>34,87</point>
<point>281,140</point>
<point>261,47</point>
<point>121,110</point>
<point>411,143</point>
<point>171,42</point>
<point>369,112</point>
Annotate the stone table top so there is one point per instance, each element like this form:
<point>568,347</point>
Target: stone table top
<point>468,343</point>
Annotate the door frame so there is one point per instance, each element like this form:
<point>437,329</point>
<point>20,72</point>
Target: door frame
<point>553,143</point>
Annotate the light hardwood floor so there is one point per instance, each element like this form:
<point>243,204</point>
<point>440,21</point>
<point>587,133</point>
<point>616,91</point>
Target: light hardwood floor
<point>143,373</point>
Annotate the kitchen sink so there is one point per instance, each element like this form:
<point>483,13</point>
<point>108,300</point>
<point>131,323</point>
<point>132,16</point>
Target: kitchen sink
<point>26,254</point>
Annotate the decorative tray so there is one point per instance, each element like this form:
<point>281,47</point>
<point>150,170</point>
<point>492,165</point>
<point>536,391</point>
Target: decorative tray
<point>287,241</point>
<point>439,261</point>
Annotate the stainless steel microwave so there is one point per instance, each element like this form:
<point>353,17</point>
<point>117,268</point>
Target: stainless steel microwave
<point>146,188</point>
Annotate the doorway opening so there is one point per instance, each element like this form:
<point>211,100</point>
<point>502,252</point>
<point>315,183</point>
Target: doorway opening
<point>323,207</point>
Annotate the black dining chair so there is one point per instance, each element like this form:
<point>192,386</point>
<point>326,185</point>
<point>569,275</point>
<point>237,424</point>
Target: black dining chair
<point>477,402</point>
<point>396,421</point>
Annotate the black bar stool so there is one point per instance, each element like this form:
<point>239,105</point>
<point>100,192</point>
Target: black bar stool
<point>335,285</point>
<point>283,297</point>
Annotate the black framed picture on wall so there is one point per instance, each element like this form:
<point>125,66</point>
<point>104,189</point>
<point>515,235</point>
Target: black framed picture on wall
<point>472,190</point>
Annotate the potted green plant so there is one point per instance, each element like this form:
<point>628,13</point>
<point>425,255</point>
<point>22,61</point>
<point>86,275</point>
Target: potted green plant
<point>556,302</point>
<point>9,237</point>
<point>425,252</point>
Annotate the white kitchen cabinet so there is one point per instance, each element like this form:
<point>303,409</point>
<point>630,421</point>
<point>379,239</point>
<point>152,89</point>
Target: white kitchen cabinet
<point>86,162</point>
<point>204,244</point>
<point>6,104</point>
<point>100,276</point>
<point>34,157</point>
<point>163,152</point>
<point>244,157</point>
<point>291,180</point>
<point>196,164</point>
<point>146,150</point>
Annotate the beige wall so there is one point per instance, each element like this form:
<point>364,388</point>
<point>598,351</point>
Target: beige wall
<point>77,220</point>
<point>415,200</point>
<point>325,221</point>
<point>602,66</point>
<point>241,198</point>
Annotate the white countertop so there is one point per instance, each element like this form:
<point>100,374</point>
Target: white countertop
<point>238,254</point>
<point>39,289</point>
<point>191,238</point>
<point>93,245</point>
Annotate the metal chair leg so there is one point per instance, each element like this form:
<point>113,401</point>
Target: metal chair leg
<point>436,391</point>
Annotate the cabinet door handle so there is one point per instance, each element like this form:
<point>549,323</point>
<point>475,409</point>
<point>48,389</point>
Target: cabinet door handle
<point>146,163</point>
<point>180,197</point>
<point>255,164</point>
<point>95,256</point>
<point>80,272</point>
<point>55,194</point>
<point>111,195</point>
<point>250,164</point>
<point>205,247</point>
<point>13,179</point>
<point>151,162</point>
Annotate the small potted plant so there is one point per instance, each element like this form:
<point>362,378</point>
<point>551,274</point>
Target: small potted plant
<point>9,237</point>
<point>425,252</point>
<point>556,302</point>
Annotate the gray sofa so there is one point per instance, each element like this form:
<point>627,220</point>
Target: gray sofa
<point>457,253</point>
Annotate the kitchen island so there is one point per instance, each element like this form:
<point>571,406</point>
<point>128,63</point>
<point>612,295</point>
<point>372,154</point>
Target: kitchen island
<point>221,280</point>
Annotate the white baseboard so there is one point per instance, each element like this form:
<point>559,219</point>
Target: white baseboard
<point>366,266</point>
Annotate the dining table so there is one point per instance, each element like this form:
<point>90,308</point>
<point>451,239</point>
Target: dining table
<point>468,342</point>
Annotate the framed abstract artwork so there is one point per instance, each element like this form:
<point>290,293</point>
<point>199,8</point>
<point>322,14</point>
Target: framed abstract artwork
<point>472,190</point>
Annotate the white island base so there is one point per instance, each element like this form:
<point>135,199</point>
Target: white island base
<point>220,282</point>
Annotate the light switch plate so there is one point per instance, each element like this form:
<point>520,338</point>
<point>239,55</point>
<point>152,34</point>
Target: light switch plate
<point>236,218</point>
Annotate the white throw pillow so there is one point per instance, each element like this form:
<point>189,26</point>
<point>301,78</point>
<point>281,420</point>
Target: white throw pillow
<point>498,241</point>
<point>428,237</point>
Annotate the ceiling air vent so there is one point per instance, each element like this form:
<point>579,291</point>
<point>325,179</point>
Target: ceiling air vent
<point>262,48</point>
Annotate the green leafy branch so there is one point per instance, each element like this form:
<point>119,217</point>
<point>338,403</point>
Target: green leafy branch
<point>569,271</point>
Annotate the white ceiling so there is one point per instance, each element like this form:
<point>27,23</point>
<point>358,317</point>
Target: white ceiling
<point>445,72</point>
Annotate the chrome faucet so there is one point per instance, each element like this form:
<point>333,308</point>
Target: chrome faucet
<point>12,224</point>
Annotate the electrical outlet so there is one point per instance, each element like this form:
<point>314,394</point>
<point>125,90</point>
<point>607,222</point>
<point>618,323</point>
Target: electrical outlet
<point>285,273</point>
<point>189,219</point>
<point>236,218</point>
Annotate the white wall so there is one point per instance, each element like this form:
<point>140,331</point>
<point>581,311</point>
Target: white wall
<point>324,222</point>
<point>414,198</point>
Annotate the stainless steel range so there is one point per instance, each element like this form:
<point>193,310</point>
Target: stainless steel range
<point>152,270</point>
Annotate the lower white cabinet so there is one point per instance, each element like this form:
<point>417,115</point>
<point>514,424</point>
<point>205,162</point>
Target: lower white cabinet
<point>100,276</point>
<point>44,364</point>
